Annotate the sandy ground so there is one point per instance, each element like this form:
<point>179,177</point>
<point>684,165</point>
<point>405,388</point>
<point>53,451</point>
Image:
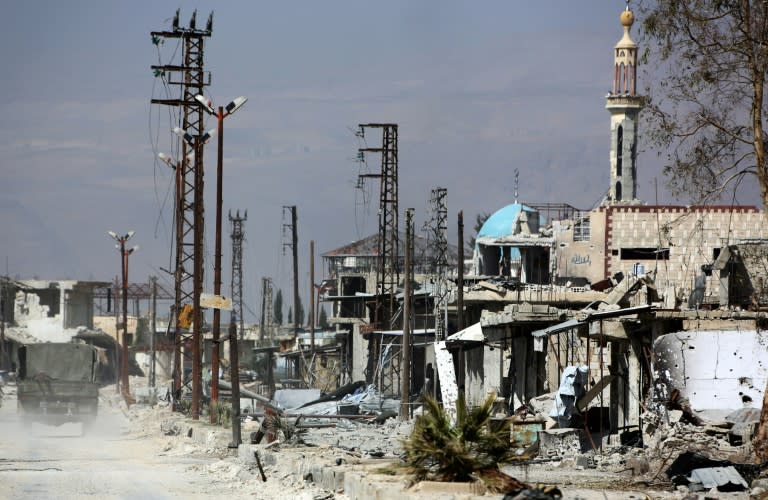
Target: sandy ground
<point>131,453</point>
<point>126,455</point>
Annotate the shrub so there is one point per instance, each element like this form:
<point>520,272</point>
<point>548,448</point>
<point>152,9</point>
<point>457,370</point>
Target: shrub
<point>444,451</point>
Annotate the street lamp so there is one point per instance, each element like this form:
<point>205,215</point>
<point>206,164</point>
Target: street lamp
<point>221,113</point>
<point>124,265</point>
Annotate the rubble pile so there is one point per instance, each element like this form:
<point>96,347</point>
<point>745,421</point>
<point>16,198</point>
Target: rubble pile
<point>363,438</point>
<point>673,456</point>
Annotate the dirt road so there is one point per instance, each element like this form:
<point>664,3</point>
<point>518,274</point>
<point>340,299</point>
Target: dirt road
<point>109,461</point>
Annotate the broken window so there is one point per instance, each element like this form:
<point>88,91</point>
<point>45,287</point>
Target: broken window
<point>638,253</point>
<point>581,228</point>
<point>49,297</point>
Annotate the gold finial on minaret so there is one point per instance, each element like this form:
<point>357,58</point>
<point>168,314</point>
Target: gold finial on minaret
<point>626,18</point>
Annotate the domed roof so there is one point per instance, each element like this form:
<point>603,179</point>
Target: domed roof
<point>502,222</point>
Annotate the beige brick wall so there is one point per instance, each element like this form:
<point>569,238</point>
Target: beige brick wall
<point>692,235</point>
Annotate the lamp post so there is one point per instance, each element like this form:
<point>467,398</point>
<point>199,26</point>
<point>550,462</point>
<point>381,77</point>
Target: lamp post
<point>220,113</point>
<point>124,266</point>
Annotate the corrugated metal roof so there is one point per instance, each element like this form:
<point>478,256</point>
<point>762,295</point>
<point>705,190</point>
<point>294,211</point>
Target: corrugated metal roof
<point>712,477</point>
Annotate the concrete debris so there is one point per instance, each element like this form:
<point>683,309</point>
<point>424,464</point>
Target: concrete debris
<point>296,398</point>
<point>341,461</point>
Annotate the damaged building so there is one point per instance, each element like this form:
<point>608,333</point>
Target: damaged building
<point>604,310</point>
<point>568,305</point>
<point>36,311</point>
<point>350,288</point>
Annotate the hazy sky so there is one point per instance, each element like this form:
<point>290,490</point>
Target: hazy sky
<point>478,90</point>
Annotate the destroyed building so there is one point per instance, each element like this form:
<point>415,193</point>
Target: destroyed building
<point>36,311</point>
<point>596,291</point>
<point>553,290</point>
<point>350,288</point>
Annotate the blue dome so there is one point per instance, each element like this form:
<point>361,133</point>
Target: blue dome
<point>502,222</point>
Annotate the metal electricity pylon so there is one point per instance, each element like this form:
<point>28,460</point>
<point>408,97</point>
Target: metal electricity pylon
<point>437,230</point>
<point>237,269</point>
<point>388,268</point>
<point>189,216</point>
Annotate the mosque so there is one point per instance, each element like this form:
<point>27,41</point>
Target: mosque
<point>549,288</point>
<point>622,291</point>
<point>549,244</point>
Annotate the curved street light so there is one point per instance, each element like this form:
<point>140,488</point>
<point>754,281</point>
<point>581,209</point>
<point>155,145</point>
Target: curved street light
<point>124,253</point>
<point>221,113</point>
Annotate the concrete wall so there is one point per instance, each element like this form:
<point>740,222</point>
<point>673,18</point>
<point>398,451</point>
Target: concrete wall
<point>580,259</point>
<point>714,370</point>
<point>692,236</point>
<point>51,311</point>
<point>77,305</point>
<point>487,368</point>
<point>359,354</point>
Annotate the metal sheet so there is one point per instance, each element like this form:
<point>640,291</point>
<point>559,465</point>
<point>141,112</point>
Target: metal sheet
<point>712,477</point>
<point>472,333</point>
<point>215,301</point>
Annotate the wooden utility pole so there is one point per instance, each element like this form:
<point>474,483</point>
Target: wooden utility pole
<point>405,366</point>
<point>5,361</point>
<point>460,280</point>
<point>234,377</point>
<point>153,328</point>
<point>294,250</point>
<point>312,294</point>
<point>266,311</point>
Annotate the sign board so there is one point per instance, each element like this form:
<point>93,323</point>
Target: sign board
<point>215,301</point>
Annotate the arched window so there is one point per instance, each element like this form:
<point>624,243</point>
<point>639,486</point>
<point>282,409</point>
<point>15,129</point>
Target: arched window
<point>618,191</point>
<point>622,79</point>
<point>619,149</point>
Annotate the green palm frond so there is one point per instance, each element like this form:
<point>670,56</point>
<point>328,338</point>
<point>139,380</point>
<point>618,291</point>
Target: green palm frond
<point>445,451</point>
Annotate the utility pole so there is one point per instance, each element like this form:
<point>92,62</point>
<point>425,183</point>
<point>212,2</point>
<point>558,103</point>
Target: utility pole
<point>192,79</point>
<point>460,280</point>
<point>387,275</point>
<point>236,247</point>
<point>266,310</point>
<point>153,328</point>
<point>124,254</point>
<point>405,365</point>
<point>5,359</point>
<point>234,377</point>
<point>118,355</point>
<point>294,249</point>
<point>312,294</point>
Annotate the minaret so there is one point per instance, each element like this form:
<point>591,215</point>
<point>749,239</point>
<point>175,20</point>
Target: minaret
<point>624,105</point>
